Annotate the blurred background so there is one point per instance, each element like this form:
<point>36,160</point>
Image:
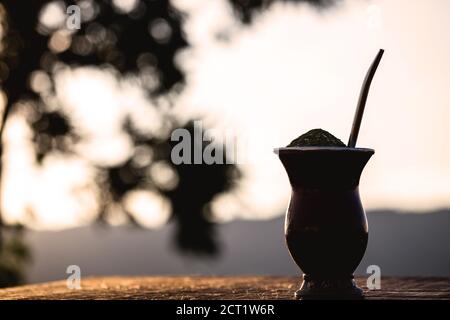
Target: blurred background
<point>87,116</point>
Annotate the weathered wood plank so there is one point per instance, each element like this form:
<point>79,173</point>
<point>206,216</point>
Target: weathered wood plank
<point>244,287</point>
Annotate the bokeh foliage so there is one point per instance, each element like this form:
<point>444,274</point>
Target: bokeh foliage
<point>144,41</point>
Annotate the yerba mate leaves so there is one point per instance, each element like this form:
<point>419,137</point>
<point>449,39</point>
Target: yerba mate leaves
<point>316,138</point>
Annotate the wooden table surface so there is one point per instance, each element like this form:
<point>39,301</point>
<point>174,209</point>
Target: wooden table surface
<point>243,287</point>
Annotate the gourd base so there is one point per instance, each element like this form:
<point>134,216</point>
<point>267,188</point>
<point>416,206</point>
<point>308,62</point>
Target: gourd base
<point>344,288</point>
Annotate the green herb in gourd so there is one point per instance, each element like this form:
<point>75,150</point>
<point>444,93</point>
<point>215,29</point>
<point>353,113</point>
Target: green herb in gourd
<point>316,138</point>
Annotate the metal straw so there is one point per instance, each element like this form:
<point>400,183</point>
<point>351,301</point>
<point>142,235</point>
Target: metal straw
<point>362,100</point>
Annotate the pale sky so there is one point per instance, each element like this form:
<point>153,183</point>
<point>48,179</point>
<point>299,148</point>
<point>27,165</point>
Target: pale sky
<point>292,70</point>
<point>296,69</point>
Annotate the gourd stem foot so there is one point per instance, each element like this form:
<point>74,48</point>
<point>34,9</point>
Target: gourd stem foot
<point>339,288</point>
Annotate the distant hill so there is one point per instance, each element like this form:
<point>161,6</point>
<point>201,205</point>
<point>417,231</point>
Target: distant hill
<point>401,244</point>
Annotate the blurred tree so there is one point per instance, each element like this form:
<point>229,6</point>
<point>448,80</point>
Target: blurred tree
<point>143,38</point>
<point>14,257</point>
<point>245,9</point>
<point>140,37</point>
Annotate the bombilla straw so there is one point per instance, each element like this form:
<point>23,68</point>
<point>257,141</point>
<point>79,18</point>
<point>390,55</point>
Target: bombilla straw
<point>362,100</point>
